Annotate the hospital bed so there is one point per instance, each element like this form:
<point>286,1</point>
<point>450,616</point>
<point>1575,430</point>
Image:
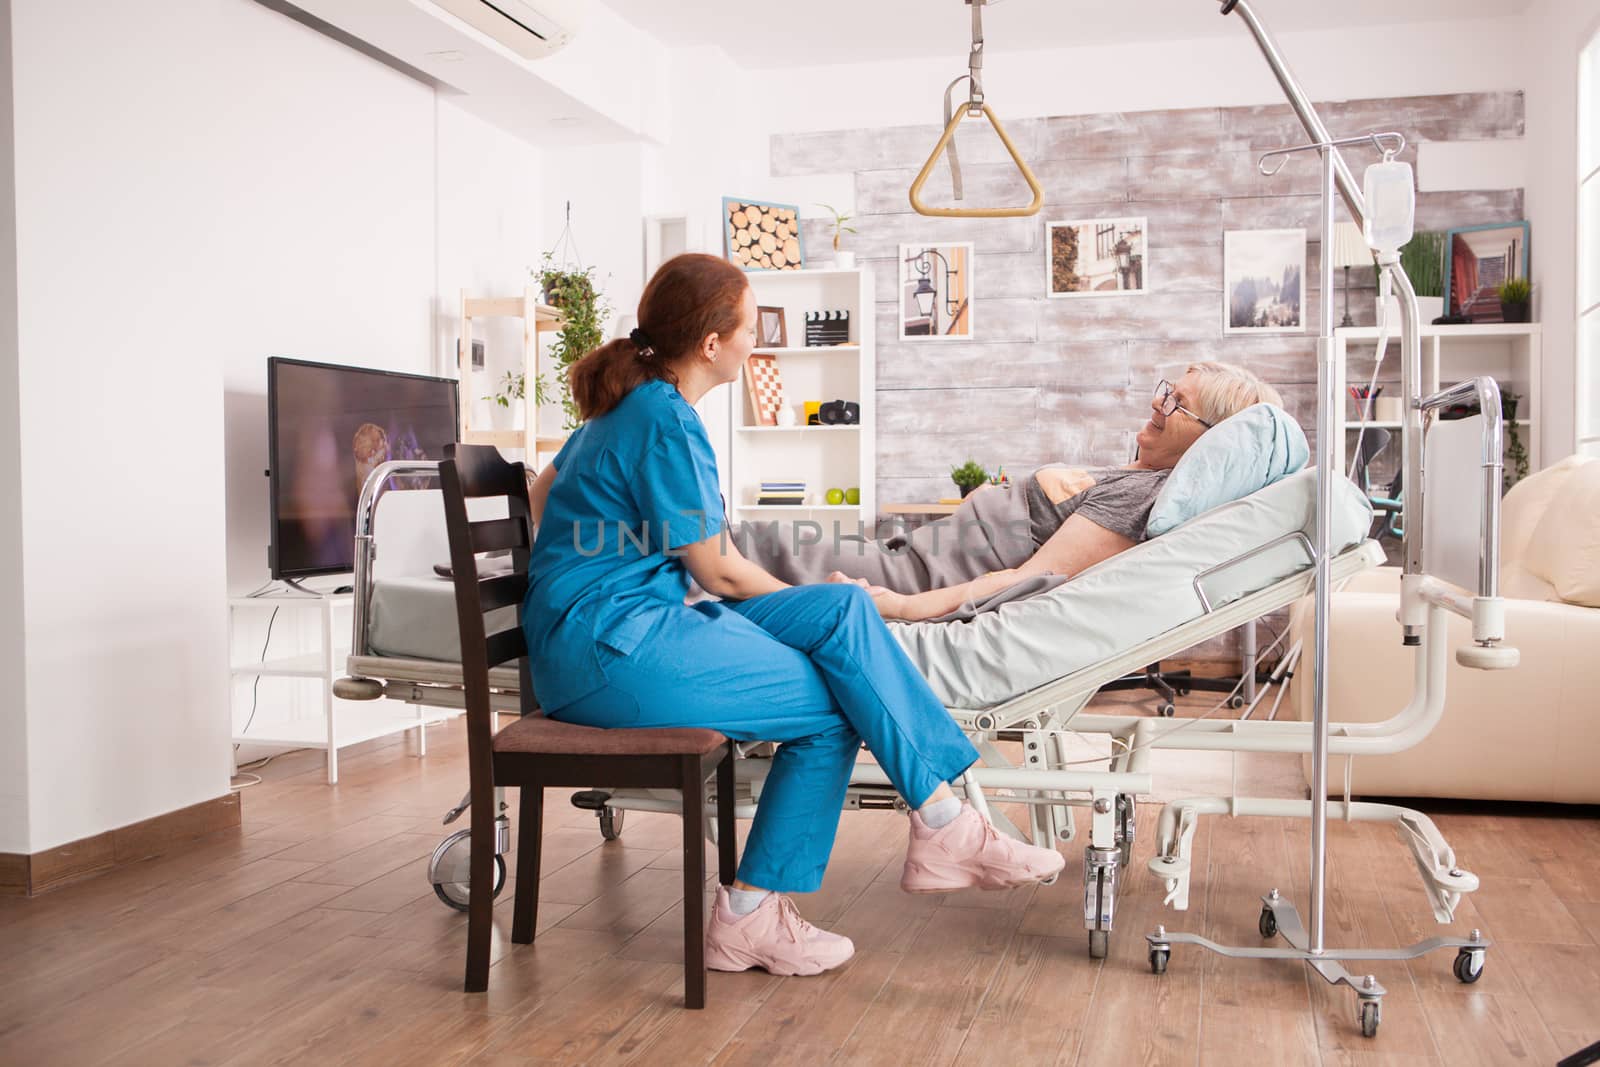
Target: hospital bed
<point>1022,673</point>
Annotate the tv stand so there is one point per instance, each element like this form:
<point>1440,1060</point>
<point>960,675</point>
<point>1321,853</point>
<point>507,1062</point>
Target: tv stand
<point>342,723</point>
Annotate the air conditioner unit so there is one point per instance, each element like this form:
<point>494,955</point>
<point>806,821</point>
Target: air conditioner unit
<point>532,29</point>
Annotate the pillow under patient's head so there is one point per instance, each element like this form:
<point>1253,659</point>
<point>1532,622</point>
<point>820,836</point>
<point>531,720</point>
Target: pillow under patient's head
<point>1238,456</point>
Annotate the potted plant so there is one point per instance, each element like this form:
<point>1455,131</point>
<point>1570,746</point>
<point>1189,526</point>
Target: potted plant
<point>1422,258</point>
<point>583,310</point>
<point>968,476</point>
<point>510,387</point>
<point>841,259</point>
<point>1516,299</point>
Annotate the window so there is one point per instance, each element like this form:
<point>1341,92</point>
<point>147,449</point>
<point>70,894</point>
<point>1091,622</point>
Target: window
<point>1588,369</point>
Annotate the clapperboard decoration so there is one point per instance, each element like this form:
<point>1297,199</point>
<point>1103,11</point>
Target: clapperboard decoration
<point>827,328</point>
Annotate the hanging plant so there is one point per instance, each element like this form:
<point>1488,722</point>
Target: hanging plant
<point>584,310</point>
<point>1516,452</point>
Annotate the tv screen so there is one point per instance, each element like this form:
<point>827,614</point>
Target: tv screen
<point>328,428</point>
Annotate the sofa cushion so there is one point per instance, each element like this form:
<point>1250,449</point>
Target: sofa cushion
<point>1565,547</point>
<point>1525,505</point>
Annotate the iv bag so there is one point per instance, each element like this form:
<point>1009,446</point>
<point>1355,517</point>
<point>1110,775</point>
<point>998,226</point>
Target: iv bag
<point>1391,207</point>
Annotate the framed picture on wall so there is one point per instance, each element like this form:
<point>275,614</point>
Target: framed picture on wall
<point>935,293</point>
<point>1263,281</point>
<point>1478,260</point>
<point>1097,257</point>
<point>759,236</point>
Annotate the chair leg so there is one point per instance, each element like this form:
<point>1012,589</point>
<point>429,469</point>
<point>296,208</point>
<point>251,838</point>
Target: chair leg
<point>727,833</point>
<point>530,833</point>
<point>694,884</point>
<point>480,896</point>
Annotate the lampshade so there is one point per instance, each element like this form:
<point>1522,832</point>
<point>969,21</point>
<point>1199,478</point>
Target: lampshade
<point>923,294</point>
<point>1350,247</point>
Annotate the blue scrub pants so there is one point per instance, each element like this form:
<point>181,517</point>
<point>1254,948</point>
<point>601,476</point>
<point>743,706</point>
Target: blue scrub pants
<point>812,667</point>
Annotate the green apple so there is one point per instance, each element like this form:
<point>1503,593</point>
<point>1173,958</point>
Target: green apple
<point>836,496</point>
<point>852,495</point>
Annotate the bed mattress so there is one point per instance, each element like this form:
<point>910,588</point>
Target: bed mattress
<point>1127,600</point>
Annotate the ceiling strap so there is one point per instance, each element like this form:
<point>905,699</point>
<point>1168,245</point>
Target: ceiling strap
<point>975,106</point>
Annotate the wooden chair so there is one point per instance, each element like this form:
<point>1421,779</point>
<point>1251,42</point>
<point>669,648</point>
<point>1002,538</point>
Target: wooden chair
<point>536,752</point>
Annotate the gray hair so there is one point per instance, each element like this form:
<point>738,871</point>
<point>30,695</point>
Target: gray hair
<point>1226,389</point>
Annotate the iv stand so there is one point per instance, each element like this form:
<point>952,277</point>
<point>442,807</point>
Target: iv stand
<point>1278,915</point>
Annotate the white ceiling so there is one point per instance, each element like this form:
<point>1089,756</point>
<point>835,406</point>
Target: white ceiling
<point>817,32</point>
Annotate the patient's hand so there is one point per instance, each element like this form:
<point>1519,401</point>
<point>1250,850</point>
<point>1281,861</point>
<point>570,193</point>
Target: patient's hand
<point>890,605</point>
<point>840,576</point>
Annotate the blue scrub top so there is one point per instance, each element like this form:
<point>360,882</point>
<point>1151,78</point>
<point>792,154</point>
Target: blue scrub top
<point>632,488</point>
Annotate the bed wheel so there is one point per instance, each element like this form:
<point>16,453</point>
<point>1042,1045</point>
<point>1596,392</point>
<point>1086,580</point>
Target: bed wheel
<point>1468,966</point>
<point>453,855</point>
<point>1371,1013</point>
<point>1166,710</point>
<point>611,823</point>
<point>1236,702</point>
<point>1099,944</point>
<point>1158,960</point>
<point>1267,924</point>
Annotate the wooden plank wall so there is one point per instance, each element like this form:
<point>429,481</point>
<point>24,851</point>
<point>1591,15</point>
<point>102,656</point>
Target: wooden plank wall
<point>1049,380</point>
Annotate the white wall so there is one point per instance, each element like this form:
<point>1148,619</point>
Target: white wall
<point>1556,31</point>
<point>201,184</point>
<point>1402,60</point>
<point>13,717</point>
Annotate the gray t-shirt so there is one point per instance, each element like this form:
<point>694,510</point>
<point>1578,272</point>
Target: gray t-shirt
<point>1119,500</point>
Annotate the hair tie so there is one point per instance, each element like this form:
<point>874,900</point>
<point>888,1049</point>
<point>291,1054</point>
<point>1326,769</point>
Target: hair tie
<point>640,341</point>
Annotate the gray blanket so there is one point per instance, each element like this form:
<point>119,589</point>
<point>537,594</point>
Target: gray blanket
<point>989,532</point>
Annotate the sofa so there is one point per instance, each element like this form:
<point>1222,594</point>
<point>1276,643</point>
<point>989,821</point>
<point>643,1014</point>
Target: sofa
<point>1528,734</point>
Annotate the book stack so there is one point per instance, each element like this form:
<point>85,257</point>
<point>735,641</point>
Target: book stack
<point>792,494</point>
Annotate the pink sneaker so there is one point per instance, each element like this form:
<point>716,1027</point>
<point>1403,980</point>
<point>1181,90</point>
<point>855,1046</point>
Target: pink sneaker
<point>773,937</point>
<point>968,852</point>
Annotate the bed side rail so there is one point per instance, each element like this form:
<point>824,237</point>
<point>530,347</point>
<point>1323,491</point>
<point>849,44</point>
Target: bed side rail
<point>377,484</point>
<point>1486,609</point>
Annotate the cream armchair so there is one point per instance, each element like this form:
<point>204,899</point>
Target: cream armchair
<point>1532,733</point>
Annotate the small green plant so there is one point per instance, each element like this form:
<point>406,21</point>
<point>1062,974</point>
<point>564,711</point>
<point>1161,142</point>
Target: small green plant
<point>1515,291</point>
<point>1422,258</point>
<point>1516,452</point>
<point>584,309</point>
<point>839,227</point>
<point>968,476</point>
<point>511,387</point>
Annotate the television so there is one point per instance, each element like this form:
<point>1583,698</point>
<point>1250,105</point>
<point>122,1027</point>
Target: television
<point>328,428</point>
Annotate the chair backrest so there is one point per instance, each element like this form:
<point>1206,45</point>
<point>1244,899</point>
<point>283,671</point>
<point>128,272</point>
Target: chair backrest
<point>478,472</point>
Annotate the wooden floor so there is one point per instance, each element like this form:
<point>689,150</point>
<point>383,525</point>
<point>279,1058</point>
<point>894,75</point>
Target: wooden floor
<point>312,936</point>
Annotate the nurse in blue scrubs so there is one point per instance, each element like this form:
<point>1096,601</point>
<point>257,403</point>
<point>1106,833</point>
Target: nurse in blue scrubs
<point>628,511</point>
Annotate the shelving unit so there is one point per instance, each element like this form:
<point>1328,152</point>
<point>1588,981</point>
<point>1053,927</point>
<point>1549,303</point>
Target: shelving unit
<point>1508,352</point>
<point>342,723</point>
<point>536,319</point>
<point>824,457</point>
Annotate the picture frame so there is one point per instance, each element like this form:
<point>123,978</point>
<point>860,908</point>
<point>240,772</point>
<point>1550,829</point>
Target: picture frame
<point>772,330</point>
<point>1263,281</point>
<point>1097,257</point>
<point>760,236</point>
<point>935,291</point>
<point>1476,260</point>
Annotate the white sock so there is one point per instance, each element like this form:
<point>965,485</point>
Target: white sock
<point>744,901</point>
<point>940,812</point>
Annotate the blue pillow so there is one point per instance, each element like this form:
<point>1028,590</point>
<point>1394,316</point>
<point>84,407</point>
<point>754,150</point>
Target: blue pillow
<point>1233,459</point>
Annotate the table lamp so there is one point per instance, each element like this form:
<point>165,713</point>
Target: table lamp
<point>1349,250</point>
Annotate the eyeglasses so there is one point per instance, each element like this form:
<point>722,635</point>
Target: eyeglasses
<point>1167,398</point>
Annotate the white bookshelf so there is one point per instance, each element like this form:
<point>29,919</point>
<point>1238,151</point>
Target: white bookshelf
<point>824,457</point>
<point>1508,352</point>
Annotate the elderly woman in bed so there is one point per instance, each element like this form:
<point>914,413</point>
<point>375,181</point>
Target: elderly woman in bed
<point>1060,520</point>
